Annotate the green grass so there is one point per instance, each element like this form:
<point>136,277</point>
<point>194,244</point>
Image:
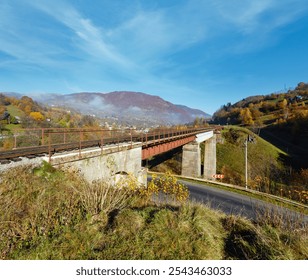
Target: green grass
<point>43,216</point>
<point>231,156</point>
<point>11,126</point>
<point>15,111</point>
<point>260,144</point>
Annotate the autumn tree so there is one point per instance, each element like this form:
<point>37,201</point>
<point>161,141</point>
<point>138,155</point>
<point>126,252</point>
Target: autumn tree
<point>37,116</point>
<point>88,121</point>
<point>267,107</point>
<point>27,109</point>
<point>254,109</point>
<point>199,121</point>
<point>283,104</point>
<point>2,109</point>
<point>246,116</point>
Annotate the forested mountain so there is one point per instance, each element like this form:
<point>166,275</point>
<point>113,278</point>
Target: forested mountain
<point>133,108</point>
<point>121,107</point>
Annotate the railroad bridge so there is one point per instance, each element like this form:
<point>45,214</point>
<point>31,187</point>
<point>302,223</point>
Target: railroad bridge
<point>98,153</point>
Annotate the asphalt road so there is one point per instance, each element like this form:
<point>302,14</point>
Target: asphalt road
<point>238,204</point>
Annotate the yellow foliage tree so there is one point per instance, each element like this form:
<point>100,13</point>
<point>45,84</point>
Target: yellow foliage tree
<point>283,104</point>
<point>2,109</point>
<point>246,116</point>
<point>37,116</point>
<point>27,109</point>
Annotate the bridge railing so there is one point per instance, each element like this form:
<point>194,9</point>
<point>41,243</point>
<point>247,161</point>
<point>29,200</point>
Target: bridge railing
<point>40,136</point>
<point>163,135</point>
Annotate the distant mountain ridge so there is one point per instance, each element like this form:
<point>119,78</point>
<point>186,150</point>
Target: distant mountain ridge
<point>126,106</point>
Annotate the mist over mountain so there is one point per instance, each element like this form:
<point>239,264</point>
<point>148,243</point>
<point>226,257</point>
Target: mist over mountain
<point>126,107</point>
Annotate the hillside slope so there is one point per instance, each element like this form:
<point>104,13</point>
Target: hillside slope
<point>281,119</point>
<point>268,166</point>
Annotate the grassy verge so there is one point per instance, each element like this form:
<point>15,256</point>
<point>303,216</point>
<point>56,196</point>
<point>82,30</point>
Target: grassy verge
<point>50,214</point>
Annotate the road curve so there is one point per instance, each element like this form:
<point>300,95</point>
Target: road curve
<point>237,204</point>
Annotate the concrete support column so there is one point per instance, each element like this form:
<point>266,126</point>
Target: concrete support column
<point>191,160</point>
<point>210,158</point>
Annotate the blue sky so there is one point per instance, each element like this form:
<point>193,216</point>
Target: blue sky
<point>199,53</point>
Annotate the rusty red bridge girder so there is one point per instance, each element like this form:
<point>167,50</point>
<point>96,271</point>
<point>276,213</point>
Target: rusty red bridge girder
<point>159,148</point>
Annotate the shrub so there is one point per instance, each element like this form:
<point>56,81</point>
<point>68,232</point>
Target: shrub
<point>101,196</point>
<point>165,188</point>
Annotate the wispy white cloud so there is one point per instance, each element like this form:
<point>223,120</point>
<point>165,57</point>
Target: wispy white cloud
<point>157,33</point>
<point>152,36</point>
<point>243,15</point>
<point>258,19</point>
<point>89,38</point>
<point>21,41</point>
<point>248,16</point>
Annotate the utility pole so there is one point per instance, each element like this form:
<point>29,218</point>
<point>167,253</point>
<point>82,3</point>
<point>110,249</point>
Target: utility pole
<point>248,139</point>
<point>246,168</point>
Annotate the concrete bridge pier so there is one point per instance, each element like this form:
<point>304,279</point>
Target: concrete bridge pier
<point>209,165</point>
<point>191,159</point>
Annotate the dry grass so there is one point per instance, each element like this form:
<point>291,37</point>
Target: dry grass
<point>101,196</point>
<point>263,242</point>
<point>49,214</point>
